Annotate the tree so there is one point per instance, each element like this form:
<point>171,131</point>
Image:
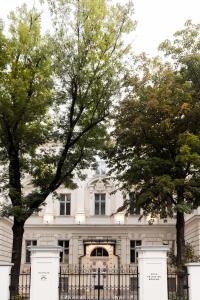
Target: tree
<point>56,94</point>
<point>157,145</point>
<point>26,88</point>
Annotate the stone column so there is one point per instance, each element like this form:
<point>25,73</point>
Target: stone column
<point>5,280</point>
<point>45,272</point>
<point>152,267</point>
<point>193,280</point>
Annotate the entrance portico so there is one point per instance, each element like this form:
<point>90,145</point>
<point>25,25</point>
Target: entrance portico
<point>99,254</point>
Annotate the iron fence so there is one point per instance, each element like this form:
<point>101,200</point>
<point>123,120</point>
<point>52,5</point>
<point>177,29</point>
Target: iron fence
<point>98,284</point>
<point>81,283</point>
<point>178,286</point>
<point>21,291</point>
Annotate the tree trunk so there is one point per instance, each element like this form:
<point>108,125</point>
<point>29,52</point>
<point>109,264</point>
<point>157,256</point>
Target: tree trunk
<point>18,231</point>
<point>180,244</point>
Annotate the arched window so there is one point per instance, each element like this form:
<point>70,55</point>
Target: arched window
<point>99,251</point>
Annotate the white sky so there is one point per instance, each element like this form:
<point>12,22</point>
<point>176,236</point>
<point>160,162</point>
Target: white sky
<point>157,19</point>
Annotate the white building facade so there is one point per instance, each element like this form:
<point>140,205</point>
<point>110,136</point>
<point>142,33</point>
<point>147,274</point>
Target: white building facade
<point>85,223</point>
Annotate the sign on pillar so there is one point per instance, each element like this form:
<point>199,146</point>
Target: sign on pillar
<point>152,267</point>
<point>45,263</point>
<point>193,280</point>
<point>5,280</point>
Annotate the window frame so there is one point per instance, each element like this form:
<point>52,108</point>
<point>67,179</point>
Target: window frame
<point>99,204</point>
<point>63,253</point>
<point>134,211</point>
<point>65,203</point>
<point>133,252</point>
<point>97,250</point>
<point>27,252</point>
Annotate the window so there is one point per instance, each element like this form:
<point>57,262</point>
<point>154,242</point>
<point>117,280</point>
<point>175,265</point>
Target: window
<point>100,204</point>
<point>133,209</point>
<point>65,204</point>
<point>133,252</point>
<point>99,251</point>
<point>28,253</point>
<point>64,255</point>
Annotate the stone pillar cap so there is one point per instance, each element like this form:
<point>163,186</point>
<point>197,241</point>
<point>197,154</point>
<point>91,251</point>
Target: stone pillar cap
<point>152,248</point>
<point>45,248</point>
<point>4,264</point>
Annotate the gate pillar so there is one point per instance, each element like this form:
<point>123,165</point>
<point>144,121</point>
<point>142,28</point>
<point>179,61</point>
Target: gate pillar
<point>45,272</point>
<point>5,280</point>
<point>152,267</point>
<point>193,280</point>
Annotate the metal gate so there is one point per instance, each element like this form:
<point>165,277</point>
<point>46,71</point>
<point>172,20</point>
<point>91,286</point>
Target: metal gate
<point>98,284</point>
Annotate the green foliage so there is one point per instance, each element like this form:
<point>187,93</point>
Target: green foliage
<point>26,95</point>
<point>56,95</point>
<point>157,146</point>
<point>190,256</point>
<point>89,51</point>
<point>25,83</point>
<point>156,151</point>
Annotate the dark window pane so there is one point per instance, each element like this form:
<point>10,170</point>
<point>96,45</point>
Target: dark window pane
<point>97,197</point>
<point>66,244</point>
<point>61,257</point>
<point>60,243</point>
<point>28,256</point>
<point>103,210</point>
<point>103,197</point>
<point>132,244</point>
<point>28,243</point>
<point>99,251</point>
<point>134,210</point>
<point>28,253</point>
<point>97,208</point>
<point>64,255</point>
<point>68,197</point>
<point>133,252</point>
<point>68,208</point>
<point>132,255</point>
<point>62,197</point>
<point>105,253</point>
<point>62,208</point>
<point>93,253</point>
<point>66,251</point>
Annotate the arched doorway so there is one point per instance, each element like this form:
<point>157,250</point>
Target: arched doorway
<point>99,256</point>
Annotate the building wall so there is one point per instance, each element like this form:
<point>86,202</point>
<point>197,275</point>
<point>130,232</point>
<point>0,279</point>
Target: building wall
<point>48,226</point>
<point>192,232</point>
<point>77,234</point>
<point>5,239</point>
